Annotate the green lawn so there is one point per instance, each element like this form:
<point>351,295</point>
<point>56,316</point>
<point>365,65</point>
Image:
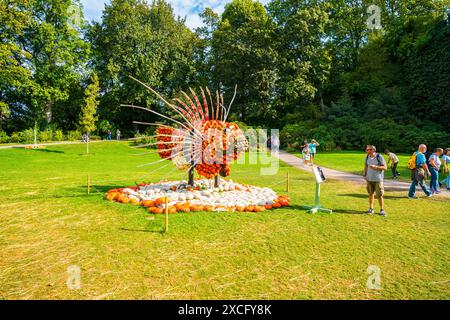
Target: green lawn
<point>48,223</point>
<point>353,162</point>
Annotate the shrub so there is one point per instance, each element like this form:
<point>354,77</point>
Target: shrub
<point>46,136</point>
<point>143,139</point>
<point>3,137</point>
<point>73,136</point>
<point>59,135</point>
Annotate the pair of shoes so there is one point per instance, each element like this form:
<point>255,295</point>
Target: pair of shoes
<point>383,213</point>
<point>370,211</point>
<point>413,197</point>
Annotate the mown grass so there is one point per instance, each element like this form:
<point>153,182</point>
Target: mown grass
<point>48,223</point>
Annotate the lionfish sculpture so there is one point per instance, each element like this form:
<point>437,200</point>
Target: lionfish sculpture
<point>203,140</point>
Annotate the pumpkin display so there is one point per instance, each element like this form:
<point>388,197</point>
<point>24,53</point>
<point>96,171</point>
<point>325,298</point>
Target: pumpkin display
<point>229,197</point>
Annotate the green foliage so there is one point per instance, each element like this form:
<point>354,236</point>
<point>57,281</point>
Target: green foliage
<point>45,136</point>
<point>244,56</point>
<point>146,41</point>
<point>144,139</point>
<point>88,112</point>
<point>73,135</point>
<point>59,135</point>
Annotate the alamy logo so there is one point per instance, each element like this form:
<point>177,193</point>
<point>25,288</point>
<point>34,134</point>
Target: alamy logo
<point>374,20</point>
<point>73,278</point>
<point>74,13</point>
<point>374,278</point>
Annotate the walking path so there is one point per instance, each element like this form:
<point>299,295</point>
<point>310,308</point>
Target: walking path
<point>10,146</point>
<point>389,185</point>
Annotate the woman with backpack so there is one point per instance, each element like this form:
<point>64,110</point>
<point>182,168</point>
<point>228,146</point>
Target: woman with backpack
<point>434,164</point>
<point>419,169</point>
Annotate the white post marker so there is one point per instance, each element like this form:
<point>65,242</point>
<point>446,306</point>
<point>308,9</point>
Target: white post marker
<point>320,178</point>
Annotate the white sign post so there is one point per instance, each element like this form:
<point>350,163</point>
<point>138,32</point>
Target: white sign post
<point>320,178</point>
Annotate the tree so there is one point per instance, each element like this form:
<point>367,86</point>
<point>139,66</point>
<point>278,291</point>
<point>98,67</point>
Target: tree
<point>304,60</point>
<point>147,42</point>
<point>88,112</point>
<point>14,75</point>
<point>244,56</point>
<point>58,54</point>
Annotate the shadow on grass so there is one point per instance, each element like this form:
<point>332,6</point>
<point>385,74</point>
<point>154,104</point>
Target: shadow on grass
<point>48,150</point>
<point>342,211</point>
<point>153,230</point>
<point>365,196</point>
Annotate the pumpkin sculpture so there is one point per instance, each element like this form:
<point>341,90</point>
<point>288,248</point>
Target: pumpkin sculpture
<point>205,141</point>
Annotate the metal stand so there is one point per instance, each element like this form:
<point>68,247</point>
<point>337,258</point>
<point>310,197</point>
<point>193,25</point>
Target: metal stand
<point>317,207</point>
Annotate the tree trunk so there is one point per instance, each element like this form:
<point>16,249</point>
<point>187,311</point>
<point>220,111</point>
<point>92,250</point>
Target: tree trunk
<point>216,181</point>
<point>191,176</point>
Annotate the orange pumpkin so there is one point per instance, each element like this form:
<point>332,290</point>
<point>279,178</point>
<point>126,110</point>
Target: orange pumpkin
<point>162,200</point>
<point>260,209</point>
<point>249,208</point>
<point>158,210</point>
<point>276,205</point>
<point>110,196</point>
<point>148,203</point>
<point>240,209</point>
<point>284,203</point>
<point>172,210</point>
<point>268,206</point>
<point>134,201</point>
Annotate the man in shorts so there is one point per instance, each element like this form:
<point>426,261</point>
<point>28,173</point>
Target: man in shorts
<point>374,168</point>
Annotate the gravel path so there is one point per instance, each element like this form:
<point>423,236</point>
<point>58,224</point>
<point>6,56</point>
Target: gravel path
<point>389,185</point>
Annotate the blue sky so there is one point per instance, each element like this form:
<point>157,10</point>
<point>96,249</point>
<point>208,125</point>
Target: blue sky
<point>184,8</point>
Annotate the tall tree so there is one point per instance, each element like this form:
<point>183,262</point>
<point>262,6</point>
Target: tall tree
<point>244,56</point>
<point>58,53</point>
<point>145,41</point>
<point>15,77</point>
<point>305,60</point>
<point>88,116</point>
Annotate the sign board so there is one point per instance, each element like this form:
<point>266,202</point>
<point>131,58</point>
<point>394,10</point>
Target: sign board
<point>318,173</point>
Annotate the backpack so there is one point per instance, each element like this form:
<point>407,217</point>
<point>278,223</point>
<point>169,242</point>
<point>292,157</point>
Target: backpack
<point>378,159</point>
<point>412,161</point>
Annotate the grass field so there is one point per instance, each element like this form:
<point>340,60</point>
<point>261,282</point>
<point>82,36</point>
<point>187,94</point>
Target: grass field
<point>353,162</point>
<point>48,223</point>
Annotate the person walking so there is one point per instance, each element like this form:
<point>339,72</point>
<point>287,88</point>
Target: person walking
<point>418,164</point>
<point>434,164</point>
<point>313,147</point>
<point>303,147</point>
<point>306,152</point>
<point>445,162</point>
<point>374,168</point>
<point>118,134</point>
<point>108,135</point>
<point>393,162</point>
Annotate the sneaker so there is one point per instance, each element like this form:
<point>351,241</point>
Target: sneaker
<point>430,195</point>
<point>383,213</point>
<point>413,197</point>
<point>370,211</point>
<point>437,191</point>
